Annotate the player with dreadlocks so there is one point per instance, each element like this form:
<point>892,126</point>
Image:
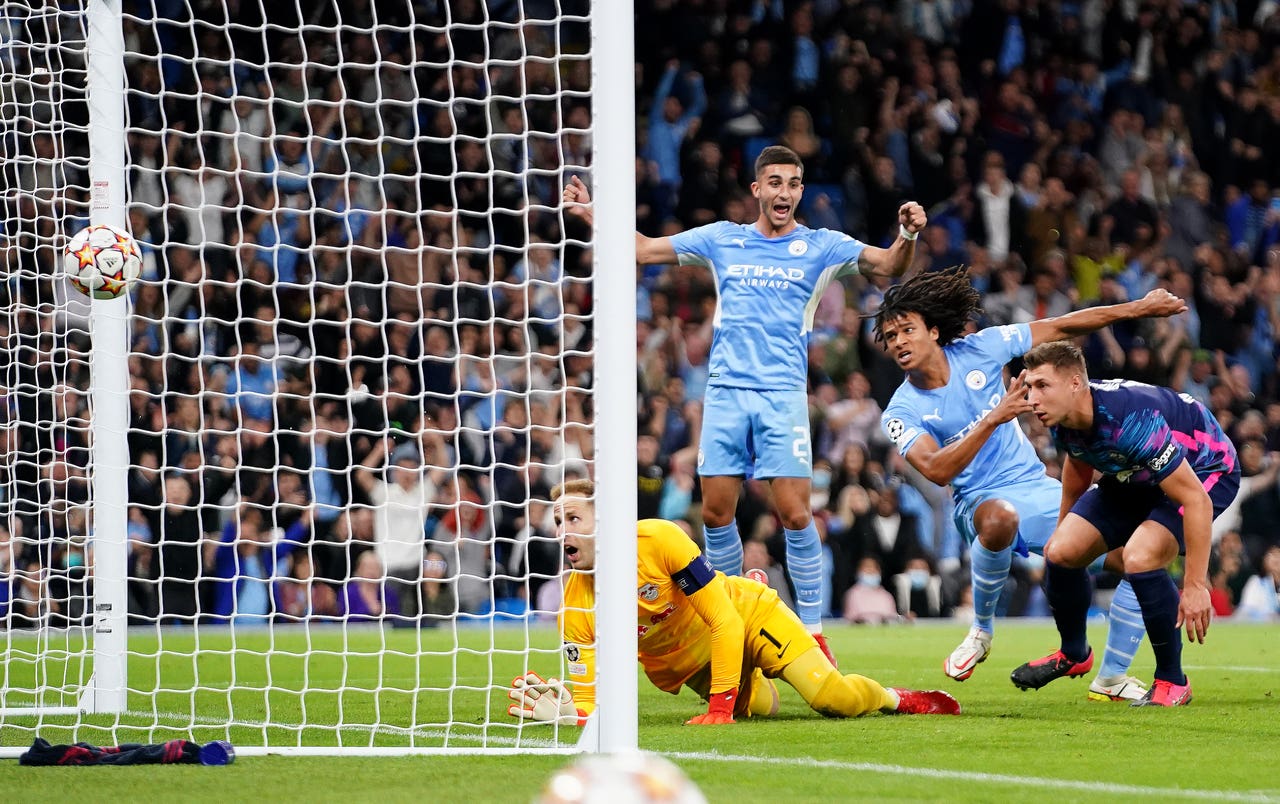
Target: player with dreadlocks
<point>953,419</point>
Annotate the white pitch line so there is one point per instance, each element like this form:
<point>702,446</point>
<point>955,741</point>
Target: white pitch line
<point>1232,668</point>
<point>1107,788</point>
<point>400,731</point>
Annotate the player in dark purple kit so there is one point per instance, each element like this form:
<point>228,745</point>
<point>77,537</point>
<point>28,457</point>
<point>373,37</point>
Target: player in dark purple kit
<point>1167,471</point>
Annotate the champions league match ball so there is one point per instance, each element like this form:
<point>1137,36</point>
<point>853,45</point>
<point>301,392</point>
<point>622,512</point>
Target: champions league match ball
<point>102,261</point>
<point>631,778</point>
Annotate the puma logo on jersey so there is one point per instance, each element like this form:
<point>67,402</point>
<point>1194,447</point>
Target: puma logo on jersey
<point>932,417</point>
<point>741,241</point>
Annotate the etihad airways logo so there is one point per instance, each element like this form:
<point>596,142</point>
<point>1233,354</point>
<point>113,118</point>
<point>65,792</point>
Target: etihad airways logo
<point>968,428</point>
<point>765,272</point>
<point>765,276</point>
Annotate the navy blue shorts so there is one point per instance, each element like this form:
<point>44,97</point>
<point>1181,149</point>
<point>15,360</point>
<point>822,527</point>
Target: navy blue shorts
<point>1117,509</point>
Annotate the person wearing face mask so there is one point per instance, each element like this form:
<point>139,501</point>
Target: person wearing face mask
<point>867,601</point>
<point>919,590</point>
<point>821,492</point>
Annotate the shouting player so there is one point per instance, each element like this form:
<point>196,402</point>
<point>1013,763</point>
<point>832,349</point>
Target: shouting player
<point>1167,471</point>
<point>725,638</point>
<point>769,277</point>
<point>952,420</point>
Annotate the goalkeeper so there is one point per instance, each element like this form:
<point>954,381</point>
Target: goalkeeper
<point>726,638</point>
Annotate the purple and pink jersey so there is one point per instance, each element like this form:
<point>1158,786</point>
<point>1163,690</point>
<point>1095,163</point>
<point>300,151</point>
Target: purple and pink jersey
<point>1141,434</point>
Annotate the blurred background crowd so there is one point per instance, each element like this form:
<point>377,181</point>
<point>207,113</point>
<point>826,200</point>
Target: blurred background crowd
<point>360,348</point>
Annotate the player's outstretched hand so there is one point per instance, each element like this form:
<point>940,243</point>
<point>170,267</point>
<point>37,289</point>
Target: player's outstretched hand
<point>719,710</point>
<point>541,701</point>
<point>577,199</point>
<point>1160,303</point>
<point>912,217</point>
<point>1195,611</point>
<point>1014,402</point>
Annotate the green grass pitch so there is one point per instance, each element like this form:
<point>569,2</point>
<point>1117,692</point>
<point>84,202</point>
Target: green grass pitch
<point>1008,745</point>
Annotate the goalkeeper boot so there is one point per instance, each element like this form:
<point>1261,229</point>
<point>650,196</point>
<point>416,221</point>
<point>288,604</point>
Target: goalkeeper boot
<point>972,652</point>
<point>1035,674</point>
<point>925,702</point>
<point>1166,693</point>
<point>826,649</point>
<point>1116,688</point>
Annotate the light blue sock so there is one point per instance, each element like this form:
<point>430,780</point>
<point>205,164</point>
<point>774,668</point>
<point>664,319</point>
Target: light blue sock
<point>1125,628</point>
<point>990,570</point>
<point>804,563</point>
<point>724,547</point>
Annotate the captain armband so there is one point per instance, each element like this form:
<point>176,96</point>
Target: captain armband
<point>695,576</point>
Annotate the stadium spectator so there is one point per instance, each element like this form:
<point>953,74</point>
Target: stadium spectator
<point>895,537</point>
<point>867,601</point>
<point>366,596</point>
<point>300,596</point>
<point>464,536</point>
<point>438,600</point>
<point>1260,599</point>
<point>177,564</point>
<point>401,505</point>
<point>918,590</point>
<point>671,122</point>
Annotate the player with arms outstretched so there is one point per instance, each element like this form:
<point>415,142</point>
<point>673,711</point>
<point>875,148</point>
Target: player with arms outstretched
<point>1167,471</point>
<point>725,638</point>
<point>769,277</point>
<point>953,421</point>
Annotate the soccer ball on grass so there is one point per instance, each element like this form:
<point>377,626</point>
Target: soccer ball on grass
<point>630,778</point>
<point>102,261</point>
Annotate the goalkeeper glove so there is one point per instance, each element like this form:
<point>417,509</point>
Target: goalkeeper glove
<point>719,710</point>
<point>542,701</point>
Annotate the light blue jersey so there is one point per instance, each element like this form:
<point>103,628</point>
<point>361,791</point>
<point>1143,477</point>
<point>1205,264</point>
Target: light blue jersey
<point>767,291</point>
<point>952,411</point>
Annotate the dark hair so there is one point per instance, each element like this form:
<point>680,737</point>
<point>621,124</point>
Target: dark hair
<point>777,155</point>
<point>1062,355</point>
<point>944,299</point>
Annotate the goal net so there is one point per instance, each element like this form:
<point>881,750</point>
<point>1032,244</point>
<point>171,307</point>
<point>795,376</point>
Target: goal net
<point>293,492</point>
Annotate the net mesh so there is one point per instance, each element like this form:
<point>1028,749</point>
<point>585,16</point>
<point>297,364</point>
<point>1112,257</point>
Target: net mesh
<point>360,355</point>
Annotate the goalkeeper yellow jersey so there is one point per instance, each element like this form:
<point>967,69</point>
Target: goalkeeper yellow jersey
<point>687,615</point>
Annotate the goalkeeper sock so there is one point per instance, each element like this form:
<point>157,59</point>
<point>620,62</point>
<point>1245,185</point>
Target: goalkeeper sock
<point>830,694</point>
<point>724,547</point>
<point>1124,633</point>
<point>990,570</point>
<point>804,564</point>
<point>1158,595</point>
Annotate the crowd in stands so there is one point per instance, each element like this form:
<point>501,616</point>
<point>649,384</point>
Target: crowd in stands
<point>1070,154</point>
<point>359,351</point>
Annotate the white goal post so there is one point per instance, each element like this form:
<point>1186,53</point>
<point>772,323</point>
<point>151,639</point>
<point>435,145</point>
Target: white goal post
<point>292,491</point>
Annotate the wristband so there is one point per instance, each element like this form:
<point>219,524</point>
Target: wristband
<point>902,230</point>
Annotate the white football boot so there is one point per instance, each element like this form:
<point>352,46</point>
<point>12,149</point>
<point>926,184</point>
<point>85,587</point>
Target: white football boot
<point>972,652</point>
<point>1116,688</point>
